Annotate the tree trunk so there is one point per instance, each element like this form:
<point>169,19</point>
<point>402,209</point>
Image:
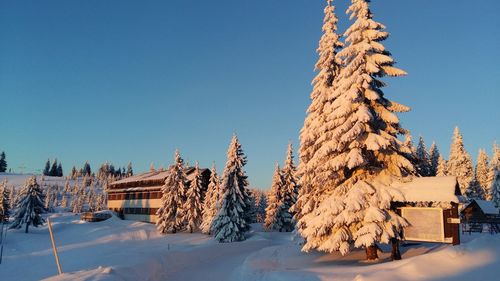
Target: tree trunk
<point>395,253</point>
<point>371,253</point>
<point>26,229</point>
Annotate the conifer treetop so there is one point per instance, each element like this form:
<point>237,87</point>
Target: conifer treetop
<point>482,172</point>
<point>460,162</point>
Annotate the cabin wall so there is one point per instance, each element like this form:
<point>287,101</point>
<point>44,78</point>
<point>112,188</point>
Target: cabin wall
<point>473,213</point>
<point>143,200</point>
<point>143,218</point>
<point>144,203</point>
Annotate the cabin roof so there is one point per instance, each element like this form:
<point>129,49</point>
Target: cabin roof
<point>152,177</point>
<point>430,189</point>
<point>488,207</point>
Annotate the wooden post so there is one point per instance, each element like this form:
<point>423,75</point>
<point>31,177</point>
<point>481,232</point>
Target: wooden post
<point>455,227</point>
<point>2,241</point>
<point>54,247</point>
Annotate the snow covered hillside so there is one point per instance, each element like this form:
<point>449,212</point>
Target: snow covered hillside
<point>128,250</point>
<point>18,180</point>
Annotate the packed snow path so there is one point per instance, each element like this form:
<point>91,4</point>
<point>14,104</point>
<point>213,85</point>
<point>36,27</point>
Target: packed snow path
<point>127,250</point>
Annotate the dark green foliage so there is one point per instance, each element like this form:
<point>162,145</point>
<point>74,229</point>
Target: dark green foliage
<point>3,163</point>
<point>53,169</point>
<point>46,170</point>
<point>59,170</point>
<point>86,171</point>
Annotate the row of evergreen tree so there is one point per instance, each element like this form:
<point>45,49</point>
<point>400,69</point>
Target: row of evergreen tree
<point>27,205</point>
<point>54,170</point>
<point>84,171</point>
<point>282,196</point>
<point>225,210</point>
<point>476,182</point>
<point>228,207</point>
<point>108,170</point>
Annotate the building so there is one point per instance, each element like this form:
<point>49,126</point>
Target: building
<point>480,210</point>
<point>480,213</point>
<point>431,207</point>
<point>139,197</point>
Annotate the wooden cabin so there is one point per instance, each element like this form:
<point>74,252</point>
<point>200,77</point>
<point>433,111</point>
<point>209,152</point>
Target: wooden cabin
<point>139,197</point>
<point>480,211</point>
<point>431,208</point>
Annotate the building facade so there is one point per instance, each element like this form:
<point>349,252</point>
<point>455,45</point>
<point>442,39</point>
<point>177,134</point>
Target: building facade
<point>139,197</point>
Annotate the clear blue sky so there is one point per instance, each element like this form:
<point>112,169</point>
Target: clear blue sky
<point>132,81</point>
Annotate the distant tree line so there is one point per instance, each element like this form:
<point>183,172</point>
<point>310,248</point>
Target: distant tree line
<point>54,170</point>
<point>108,170</point>
<point>477,181</point>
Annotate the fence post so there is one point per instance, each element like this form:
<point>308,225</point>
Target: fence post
<point>2,241</point>
<point>54,248</point>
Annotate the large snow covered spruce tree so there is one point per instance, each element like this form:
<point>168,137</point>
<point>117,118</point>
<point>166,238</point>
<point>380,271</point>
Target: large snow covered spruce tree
<point>170,214</point>
<point>30,206</point>
<point>311,137</point>
<point>232,220</point>
<point>361,154</point>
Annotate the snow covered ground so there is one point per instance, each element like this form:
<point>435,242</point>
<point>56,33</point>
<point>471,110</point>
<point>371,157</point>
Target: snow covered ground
<point>18,180</point>
<point>128,250</point>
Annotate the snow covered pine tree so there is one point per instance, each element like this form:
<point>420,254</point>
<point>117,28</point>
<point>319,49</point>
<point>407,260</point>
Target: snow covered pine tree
<point>361,156</point>
<point>434,156</point>
<point>282,196</point>
<point>460,163</point>
<point>4,202</point>
<point>290,189</point>
<point>30,206</point>
<point>275,210</point>
<point>328,67</point>
<point>495,189</point>
<point>423,159</point>
<point>482,173</point>
<point>192,206</point>
<point>212,200</point>
<point>232,222</point>
<point>442,167</point>
<point>170,214</point>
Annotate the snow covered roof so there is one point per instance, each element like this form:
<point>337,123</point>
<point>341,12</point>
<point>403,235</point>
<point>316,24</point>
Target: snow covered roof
<point>488,207</point>
<point>139,188</point>
<point>151,178</point>
<point>430,189</point>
